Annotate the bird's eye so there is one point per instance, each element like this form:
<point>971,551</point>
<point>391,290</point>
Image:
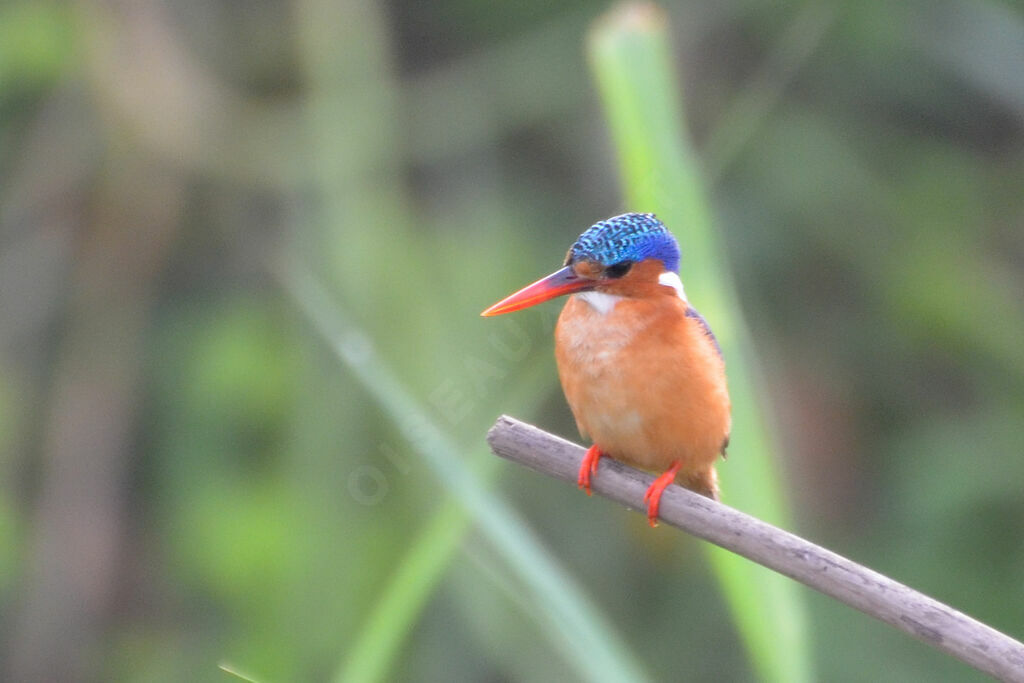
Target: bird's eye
<point>617,270</point>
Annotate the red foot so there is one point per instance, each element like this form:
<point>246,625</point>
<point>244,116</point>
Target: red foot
<point>654,491</point>
<point>588,467</point>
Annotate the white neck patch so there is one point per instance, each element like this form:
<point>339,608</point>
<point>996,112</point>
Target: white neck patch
<point>670,279</point>
<point>603,303</point>
<point>599,301</point>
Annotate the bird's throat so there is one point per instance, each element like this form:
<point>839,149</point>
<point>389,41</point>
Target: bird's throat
<point>601,302</point>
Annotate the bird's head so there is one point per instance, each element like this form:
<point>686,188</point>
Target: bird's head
<point>628,255</point>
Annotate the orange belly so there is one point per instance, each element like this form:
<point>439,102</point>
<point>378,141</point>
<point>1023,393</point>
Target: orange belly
<point>645,382</point>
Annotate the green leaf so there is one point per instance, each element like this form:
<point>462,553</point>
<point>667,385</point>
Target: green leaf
<point>631,58</point>
<point>579,629</point>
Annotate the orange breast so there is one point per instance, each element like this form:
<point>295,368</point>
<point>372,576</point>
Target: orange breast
<point>645,382</point>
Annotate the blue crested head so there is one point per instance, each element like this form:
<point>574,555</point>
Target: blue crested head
<point>631,237</point>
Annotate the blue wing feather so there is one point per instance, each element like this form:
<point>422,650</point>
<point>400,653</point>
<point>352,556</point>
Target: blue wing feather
<point>691,312</point>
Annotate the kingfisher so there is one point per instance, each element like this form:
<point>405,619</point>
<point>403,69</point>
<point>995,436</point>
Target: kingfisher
<point>640,368</point>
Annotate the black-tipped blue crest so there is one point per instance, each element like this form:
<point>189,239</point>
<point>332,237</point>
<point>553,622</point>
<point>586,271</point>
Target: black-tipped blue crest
<point>629,237</point>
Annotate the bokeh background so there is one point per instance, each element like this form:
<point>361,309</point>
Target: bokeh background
<point>196,472</point>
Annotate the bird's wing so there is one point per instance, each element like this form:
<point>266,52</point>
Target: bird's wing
<point>691,312</point>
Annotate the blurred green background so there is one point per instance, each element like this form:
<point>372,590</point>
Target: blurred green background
<point>244,386</point>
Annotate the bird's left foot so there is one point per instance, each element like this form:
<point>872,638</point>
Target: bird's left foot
<point>654,491</point>
<point>588,467</point>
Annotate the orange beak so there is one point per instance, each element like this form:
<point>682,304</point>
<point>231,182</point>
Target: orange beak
<point>564,281</point>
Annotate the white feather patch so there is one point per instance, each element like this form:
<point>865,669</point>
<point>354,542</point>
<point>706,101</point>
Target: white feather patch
<point>600,302</point>
<point>670,279</point>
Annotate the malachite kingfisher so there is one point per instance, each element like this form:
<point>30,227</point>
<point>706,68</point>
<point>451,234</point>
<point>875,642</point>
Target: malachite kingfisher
<point>640,367</point>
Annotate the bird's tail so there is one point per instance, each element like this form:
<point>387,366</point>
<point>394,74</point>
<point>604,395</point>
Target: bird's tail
<point>705,482</point>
